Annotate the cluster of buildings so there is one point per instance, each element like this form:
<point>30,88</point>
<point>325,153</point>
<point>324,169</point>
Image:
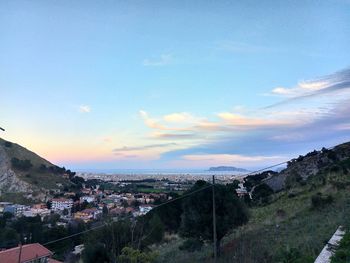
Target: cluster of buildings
<point>89,207</point>
<point>19,210</point>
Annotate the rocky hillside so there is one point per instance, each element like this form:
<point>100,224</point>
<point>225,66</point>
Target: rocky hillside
<point>26,173</point>
<point>303,167</point>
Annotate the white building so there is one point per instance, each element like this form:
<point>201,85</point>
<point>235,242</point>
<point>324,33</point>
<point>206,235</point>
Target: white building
<point>59,204</point>
<point>16,210</point>
<point>87,198</point>
<point>42,212</point>
<point>144,209</point>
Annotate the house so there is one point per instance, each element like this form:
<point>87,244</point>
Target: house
<point>30,253</point>
<point>16,210</point>
<point>39,206</point>
<point>241,191</point>
<point>3,205</point>
<point>78,249</point>
<point>117,211</point>
<point>129,210</point>
<point>59,204</point>
<point>42,212</point>
<point>87,198</point>
<point>144,209</point>
<point>88,214</point>
<point>86,191</point>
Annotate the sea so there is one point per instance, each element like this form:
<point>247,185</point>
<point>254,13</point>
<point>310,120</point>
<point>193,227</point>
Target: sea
<point>162,172</point>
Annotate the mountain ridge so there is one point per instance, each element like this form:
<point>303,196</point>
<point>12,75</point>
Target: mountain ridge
<point>301,168</point>
<point>25,172</point>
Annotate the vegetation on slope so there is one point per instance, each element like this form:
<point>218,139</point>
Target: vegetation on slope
<point>289,226</point>
<point>342,255</point>
<point>31,168</point>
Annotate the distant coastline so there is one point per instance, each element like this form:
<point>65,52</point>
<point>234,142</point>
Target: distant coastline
<point>227,169</point>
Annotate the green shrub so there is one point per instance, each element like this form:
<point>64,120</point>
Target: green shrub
<point>8,144</point>
<point>342,254</point>
<point>191,245</point>
<point>319,201</point>
<point>21,164</point>
<point>293,255</point>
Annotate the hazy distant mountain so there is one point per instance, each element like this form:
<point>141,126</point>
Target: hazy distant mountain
<point>227,169</point>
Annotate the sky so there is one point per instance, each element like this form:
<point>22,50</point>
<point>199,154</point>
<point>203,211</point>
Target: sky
<point>174,84</point>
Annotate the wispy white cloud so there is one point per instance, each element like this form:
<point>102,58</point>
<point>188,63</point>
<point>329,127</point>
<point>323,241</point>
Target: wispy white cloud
<point>165,59</point>
<point>335,83</point>
<point>303,88</point>
<point>84,109</point>
<point>144,147</point>
<point>227,158</point>
<point>179,117</point>
<point>250,137</point>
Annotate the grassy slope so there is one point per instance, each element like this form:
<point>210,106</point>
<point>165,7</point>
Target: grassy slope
<point>45,180</point>
<point>269,234</point>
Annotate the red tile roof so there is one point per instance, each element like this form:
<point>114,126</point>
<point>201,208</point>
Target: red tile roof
<point>29,252</point>
<point>51,260</point>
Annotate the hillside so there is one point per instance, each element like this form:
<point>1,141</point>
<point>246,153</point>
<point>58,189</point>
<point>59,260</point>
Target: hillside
<point>290,225</point>
<point>311,164</point>
<point>25,173</point>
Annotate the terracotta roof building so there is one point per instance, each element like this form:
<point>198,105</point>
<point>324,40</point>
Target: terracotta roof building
<point>29,253</point>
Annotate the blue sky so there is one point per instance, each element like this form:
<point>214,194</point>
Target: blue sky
<point>174,84</point>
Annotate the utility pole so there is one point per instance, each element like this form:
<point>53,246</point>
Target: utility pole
<point>20,252</point>
<point>214,221</point>
<point>113,242</point>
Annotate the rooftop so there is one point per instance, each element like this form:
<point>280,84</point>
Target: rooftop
<point>29,252</point>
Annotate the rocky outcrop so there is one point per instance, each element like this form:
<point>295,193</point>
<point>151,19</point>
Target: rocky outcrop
<point>9,181</point>
<point>312,163</point>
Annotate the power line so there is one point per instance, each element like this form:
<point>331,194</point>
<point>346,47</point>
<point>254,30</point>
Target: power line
<point>73,235</point>
<point>165,203</point>
<point>265,168</point>
<point>254,172</point>
<point>162,204</point>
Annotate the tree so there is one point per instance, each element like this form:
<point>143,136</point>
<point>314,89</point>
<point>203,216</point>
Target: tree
<point>95,253</point>
<point>105,211</point>
<point>8,237</point>
<point>156,231</point>
<point>169,214</point>
<point>130,255</point>
<point>8,144</point>
<point>135,203</point>
<point>21,164</point>
<point>262,193</point>
<point>197,218</point>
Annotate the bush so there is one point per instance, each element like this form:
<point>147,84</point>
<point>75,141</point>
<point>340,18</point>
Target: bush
<point>293,255</point>
<point>342,254</point>
<point>262,193</point>
<point>8,144</point>
<point>21,164</point>
<point>319,201</point>
<point>191,245</point>
<point>130,255</point>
